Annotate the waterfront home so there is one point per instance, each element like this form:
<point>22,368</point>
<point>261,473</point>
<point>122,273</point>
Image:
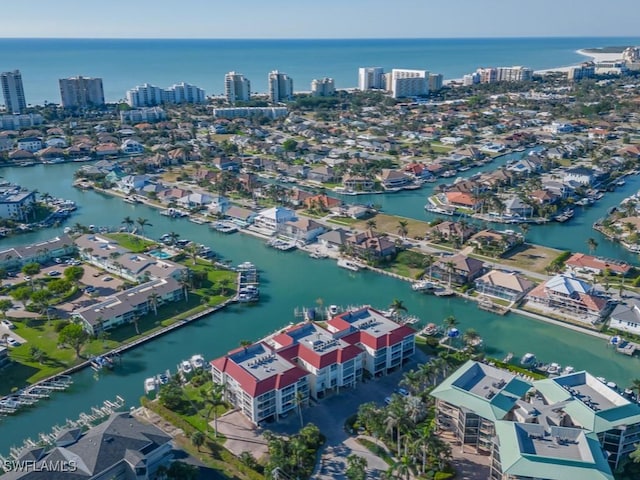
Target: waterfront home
<point>273,219</point>
<point>130,183</point>
<point>260,382</point>
<point>509,286</point>
<point>495,240</point>
<point>459,268</point>
<point>105,149</point>
<point>120,447</point>
<point>626,317</point>
<point>566,293</point>
<point>334,238</point>
<point>463,200</point>
<point>544,197</point>
<point>30,144</point>
<point>240,216</point>
<point>583,263</point>
<point>322,173</point>
<point>131,147</point>
<point>573,427</point>
<point>303,229</point>
<point>298,197</point>
<point>195,200</point>
<point>218,205</point>
<point>391,179</point>
<point>226,163</point>
<point>122,307</point>
<point>21,155</point>
<point>357,183</point>
<point>42,252</point>
<point>371,244</point>
<point>418,171</point>
<point>323,202</point>
<point>451,231</point>
<point>579,175</point>
<point>516,207</point>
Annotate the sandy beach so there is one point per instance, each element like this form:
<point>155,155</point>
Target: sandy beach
<point>592,56</point>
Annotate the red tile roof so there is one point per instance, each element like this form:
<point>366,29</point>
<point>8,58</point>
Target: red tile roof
<point>581,260</point>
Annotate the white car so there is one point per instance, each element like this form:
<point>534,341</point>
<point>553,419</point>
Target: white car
<point>8,324</point>
<point>12,342</point>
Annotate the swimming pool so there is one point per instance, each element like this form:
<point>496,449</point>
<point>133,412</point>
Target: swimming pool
<point>161,254</point>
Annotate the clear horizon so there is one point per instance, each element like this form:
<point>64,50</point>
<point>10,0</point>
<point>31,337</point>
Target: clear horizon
<point>283,19</point>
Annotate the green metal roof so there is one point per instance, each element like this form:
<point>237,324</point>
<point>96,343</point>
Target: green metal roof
<point>516,460</point>
<point>494,408</point>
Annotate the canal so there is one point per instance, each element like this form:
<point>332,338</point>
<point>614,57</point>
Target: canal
<point>289,280</point>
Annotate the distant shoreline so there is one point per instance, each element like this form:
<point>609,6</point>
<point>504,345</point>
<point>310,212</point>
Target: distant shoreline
<point>593,56</point>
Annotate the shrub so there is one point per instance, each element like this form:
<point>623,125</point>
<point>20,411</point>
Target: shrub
<point>443,476</point>
<point>59,325</point>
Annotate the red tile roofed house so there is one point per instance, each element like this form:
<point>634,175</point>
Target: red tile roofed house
<point>460,199</point>
<point>583,262</point>
<point>387,344</point>
<point>323,201</point>
<point>332,362</point>
<point>260,382</point>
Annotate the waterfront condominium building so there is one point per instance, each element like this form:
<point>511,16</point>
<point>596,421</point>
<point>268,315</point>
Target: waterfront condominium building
<point>310,361</point>
<point>80,92</point>
<point>13,91</point>
<point>280,86</point>
<point>514,74</point>
<point>571,426</point>
<point>236,88</point>
<point>585,70</point>
<point>323,87</point>
<point>370,78</point>
<point>148,95</point>
<point>408,83</point>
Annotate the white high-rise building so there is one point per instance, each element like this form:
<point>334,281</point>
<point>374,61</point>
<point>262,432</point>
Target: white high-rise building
<point>81,92</point>
<point>408,83</point>
<point>324,87</point>
<point>236,88</point>
<point>147,95</point>
<point>280,87</point>
<point>514,74</point>
<point>370,78</point>
<point>13,91</point>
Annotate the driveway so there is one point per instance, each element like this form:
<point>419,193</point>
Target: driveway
<point>241,435</point>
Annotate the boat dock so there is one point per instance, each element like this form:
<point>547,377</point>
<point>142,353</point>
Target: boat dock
<point>31,395</point>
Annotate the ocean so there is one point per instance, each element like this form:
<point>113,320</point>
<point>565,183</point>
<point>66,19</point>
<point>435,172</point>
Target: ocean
<point>124,63</point>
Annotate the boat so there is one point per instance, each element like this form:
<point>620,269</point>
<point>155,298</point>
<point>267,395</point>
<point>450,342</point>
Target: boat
<point>568,370</point>
<point>198,221</point>
<point>528,360</point>
<point>150,386</point>
<point>564,216</point>
<point>554,369</point>
<point>318,254</point>
<point>185,367</point>
<point>430,330</point>
<point>333,310</point>
<point>620,182</point>
<point>282,245</point>
<point>423,286</point>
<point>224,227</point>
<point>197,361</point>
<point>349,265</point>
<point>508,357</point>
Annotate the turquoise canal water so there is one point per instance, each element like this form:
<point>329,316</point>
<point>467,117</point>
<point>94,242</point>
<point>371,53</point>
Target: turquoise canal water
<point>289,280</point>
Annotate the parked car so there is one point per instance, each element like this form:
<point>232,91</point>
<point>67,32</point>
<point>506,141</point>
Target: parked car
<point>387,400</point>
<point>402,391</point>
<point>107,279</point>
<point>8,324</point>
<point>90,289</point>
<point>53,273</point>
<point>12,342</point>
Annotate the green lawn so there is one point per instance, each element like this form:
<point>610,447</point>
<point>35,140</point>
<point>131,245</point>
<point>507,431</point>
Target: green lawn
<point>348,221</point>
<point>131,242</point>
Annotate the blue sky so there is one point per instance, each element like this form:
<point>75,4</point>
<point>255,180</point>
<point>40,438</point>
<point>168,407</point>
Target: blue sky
<point>319,19</point>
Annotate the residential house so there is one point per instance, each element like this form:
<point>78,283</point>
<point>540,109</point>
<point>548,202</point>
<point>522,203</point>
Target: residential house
<point>565,292</point>
<point>509,286</point>
<point>321,173</point>
<point>130,183</point>
<point>42,252</point>
<point>516,207</point>
<point>464,200</point>
<point>120,447</point>
<point>195,200</point>
<point>131,147</point>
<point>105,149</point>
<point>580,262</point>
<point>393,179</point>
<point>452,230</point>
<point>580,175</point>
<point>226,163</point>
<point>303,229</point>
<point>218,205</point>
<point>357,183</point>
<point>499,241</point>
<point>240,216</point>
<point>273,219</point>
<point>334,238</point>
<point>626,317</point>
<point>322,201</point>
<point>459,268</point>
<point>30,144</point>
<point>370,243</point>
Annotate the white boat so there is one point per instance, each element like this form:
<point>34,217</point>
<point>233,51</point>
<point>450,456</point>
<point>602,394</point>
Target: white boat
<point>423,286</point>
<point>349,265</point>
<point>620,182</point>
<point>528,360</point>
<point>554,369</point>
<point>149,385</point>
<point>568,370</point>
<point>185,367</point>
<point>430,329</point>
<point>197,361</point>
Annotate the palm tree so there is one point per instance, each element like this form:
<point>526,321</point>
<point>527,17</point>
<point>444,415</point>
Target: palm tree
<point>635,386</point>
<point>128,223</point>
<point>153,301</point>
<point>451,267</point>
<point>450,322</point>
<point>214,399</point>
<point>135,320</point>
<point>524,228</point>
<point>471,337</point>
<point>428,262</point>
<point>197,438</point>
<point>185,281</point>
<point>371,224</point>
<point>402,228</point>
<point>224,285</point>
<point>299,399</point>
<point>173,237</point>
<point>143,222</point>
<point>396,307</point>
<point>592,244</point>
